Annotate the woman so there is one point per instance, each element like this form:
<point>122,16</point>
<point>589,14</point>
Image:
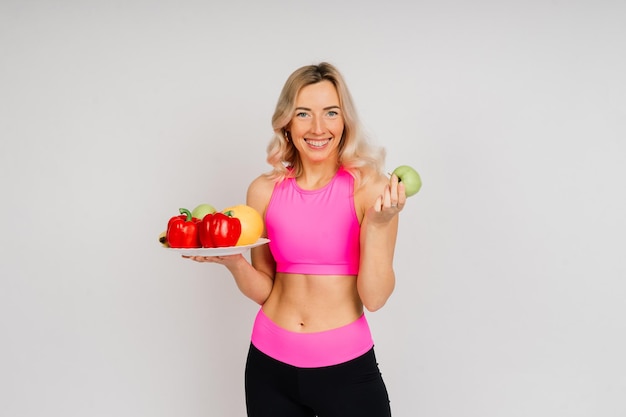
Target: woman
<point>331,216</point>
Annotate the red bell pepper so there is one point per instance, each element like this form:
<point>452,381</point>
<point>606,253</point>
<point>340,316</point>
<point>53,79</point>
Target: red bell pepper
<point>219,230</point>
<point>183,217</point>
<point>182,231</point>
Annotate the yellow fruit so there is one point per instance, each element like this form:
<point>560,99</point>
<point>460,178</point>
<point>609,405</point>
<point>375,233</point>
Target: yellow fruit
<point>163,239</point>
<point>251,223</point>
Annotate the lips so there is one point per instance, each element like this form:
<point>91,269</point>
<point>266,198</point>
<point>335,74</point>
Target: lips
<point>317,143</point>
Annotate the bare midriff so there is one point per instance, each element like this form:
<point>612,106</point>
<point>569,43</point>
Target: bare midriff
<point>313,303</point>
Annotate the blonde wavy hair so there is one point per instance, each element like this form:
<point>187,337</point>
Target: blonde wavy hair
<point>357,155</point>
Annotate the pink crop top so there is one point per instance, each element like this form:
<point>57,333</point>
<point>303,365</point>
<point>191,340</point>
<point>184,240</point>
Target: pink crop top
<point>314,231</point>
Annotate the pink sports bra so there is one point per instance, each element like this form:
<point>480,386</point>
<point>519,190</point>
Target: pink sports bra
<point>314,231</point>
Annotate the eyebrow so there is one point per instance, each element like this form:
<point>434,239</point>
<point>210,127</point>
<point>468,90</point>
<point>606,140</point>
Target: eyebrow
<point>325,108</point>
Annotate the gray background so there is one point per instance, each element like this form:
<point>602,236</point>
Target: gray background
<point>510,294</point>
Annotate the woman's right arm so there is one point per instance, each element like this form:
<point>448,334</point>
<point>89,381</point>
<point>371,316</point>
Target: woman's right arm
<point>255,280</point>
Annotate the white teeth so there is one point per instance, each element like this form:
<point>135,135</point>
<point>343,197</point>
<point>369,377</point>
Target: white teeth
<point>317,143</point>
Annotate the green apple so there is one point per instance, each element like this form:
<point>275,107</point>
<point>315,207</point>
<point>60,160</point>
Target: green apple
<point>202,210</point>
<point>410,178</point>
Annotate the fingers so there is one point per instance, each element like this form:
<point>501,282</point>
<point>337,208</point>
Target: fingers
<point>214,259</point>
<point>394,196</point>
<point>222,260</point>
<point>401,193</point>
<point>378,204</point>
<point>393,191</point>
<point>387,199</point>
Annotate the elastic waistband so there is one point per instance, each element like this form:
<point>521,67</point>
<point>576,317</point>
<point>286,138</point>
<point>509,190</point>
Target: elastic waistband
<point>312,350</point>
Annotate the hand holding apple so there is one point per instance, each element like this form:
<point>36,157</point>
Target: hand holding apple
<point>410,178</point>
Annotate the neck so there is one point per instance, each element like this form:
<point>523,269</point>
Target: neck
<point>317,175</point>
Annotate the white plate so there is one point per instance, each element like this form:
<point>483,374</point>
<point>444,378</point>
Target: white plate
<point>229,250</point>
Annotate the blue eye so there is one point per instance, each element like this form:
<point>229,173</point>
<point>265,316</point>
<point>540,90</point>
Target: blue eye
<point>301,114</point>
<point>333,113</point>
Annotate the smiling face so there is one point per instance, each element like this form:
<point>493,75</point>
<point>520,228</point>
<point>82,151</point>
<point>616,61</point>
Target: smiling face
<point>317,124</point>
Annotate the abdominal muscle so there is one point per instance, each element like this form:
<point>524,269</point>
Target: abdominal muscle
<point>313,303</point>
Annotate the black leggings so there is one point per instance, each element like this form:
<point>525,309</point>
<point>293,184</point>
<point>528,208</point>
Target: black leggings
<point>351,389</point>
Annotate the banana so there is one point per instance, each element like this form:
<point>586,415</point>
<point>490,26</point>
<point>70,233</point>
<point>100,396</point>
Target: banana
<point>163,239</point>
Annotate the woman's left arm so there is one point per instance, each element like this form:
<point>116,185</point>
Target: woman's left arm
<point>379,229</point>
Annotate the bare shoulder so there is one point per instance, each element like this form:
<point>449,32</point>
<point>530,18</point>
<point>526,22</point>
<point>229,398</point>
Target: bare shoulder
<point>260,192</point>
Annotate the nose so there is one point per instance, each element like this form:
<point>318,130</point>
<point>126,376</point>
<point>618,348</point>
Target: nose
<point>318,125</point>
